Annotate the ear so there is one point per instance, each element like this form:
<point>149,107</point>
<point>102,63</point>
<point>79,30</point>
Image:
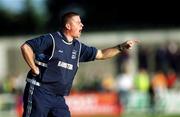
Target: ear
<point>68,26</point>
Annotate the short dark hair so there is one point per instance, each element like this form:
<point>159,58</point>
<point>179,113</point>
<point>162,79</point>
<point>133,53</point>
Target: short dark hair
<point>65,18</point>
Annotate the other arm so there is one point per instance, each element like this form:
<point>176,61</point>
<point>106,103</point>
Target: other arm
<point>33,46</point>
<point>113,51</point>
<point>28,56</point>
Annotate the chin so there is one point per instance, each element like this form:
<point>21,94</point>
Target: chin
<point>77,36</point>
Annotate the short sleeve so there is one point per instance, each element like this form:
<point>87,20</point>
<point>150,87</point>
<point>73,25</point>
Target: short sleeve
<point>87,53</point>
<point>40,43</point>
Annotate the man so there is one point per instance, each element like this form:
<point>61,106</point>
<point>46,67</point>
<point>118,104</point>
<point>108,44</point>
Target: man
<point>54,60</point>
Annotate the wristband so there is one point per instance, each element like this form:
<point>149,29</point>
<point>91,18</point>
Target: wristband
<point>121,48</point>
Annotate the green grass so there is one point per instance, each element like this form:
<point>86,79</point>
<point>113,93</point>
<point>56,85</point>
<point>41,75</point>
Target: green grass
<point>134,115</point>
<point>12,114</point>
<point>149,115</point>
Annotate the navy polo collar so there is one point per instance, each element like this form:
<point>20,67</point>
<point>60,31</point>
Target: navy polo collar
<point>64,39</point>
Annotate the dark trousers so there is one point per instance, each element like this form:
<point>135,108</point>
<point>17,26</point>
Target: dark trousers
<point>38,102</point>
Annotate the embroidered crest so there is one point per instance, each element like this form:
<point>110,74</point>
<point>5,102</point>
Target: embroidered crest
<point>74,54</point>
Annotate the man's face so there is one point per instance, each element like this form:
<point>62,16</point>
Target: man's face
<point>75,26</point>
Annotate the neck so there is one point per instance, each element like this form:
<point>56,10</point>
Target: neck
<point>68,36</point>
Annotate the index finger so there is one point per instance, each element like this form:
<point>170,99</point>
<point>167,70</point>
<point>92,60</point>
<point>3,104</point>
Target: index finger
<point>136,41</point>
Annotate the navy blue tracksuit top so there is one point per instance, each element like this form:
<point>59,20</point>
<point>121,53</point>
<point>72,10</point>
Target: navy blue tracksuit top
<point>60,59</point>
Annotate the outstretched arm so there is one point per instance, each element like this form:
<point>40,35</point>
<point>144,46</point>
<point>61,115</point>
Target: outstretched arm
<point>113,51</point>
<point>28,55</point>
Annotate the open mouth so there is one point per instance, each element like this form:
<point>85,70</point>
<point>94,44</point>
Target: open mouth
<point>80,30</point>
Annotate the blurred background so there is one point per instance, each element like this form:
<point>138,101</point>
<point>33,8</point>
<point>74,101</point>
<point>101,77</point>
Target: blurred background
<point>144,81</point>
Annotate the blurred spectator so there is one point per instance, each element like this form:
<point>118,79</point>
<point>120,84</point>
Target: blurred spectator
<point>161,58</point>
<point>171,78</point>
<point>124,85</point>
<point>172,54</point>
<point>159,85</point>
<point>159,82</point>
<point>8,85</point>
<point>143,53</point>
<point>108,82</point>
<point>142,86</point>
<point>142,81</point>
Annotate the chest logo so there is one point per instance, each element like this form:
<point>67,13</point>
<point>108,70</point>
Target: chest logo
<point>74,54</point>
<point>60,51</point>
